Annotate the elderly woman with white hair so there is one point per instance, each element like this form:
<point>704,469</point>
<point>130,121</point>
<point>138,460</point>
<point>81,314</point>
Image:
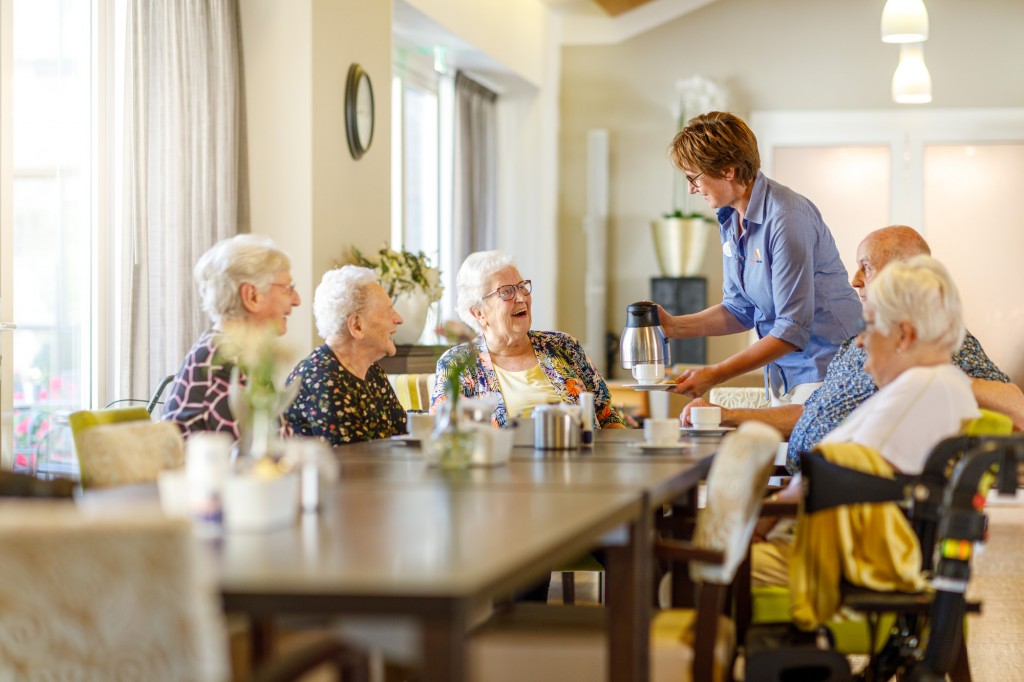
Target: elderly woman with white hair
<point>344,395</point>
<point>912,325</point>
<point>521,367</point>
<point>245,279</point>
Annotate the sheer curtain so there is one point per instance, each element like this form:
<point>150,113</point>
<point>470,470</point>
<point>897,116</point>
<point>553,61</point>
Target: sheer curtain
<point>184,174</point>
<point>474,190</point>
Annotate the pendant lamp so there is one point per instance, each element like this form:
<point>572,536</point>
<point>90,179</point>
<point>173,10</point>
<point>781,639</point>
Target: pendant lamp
<point>904,21</point>
<point>912,84</point>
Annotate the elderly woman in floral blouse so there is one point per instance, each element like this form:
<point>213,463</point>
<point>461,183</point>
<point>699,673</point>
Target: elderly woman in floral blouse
<point>344,395</point>
<point>523,368</point>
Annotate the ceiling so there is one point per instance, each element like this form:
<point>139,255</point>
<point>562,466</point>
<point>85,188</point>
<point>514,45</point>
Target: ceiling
<point>602,22</point>
<point>611,7</point>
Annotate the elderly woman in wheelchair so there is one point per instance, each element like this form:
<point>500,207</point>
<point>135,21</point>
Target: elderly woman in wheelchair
<point>912,323</point>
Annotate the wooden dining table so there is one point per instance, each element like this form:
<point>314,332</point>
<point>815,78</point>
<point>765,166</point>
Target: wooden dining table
<point>396,537</point>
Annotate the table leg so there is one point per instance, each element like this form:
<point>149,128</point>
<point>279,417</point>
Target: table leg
<point>629,608</point>
<point>444,646</point>
<point>684,514</point>
<point>261,639</point>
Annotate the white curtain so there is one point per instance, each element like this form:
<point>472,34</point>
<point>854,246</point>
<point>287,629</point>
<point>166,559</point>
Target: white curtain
<point>184,174</point>
<point>475,178</point>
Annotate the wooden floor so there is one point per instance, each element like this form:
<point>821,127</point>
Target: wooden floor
<point>995,638</point>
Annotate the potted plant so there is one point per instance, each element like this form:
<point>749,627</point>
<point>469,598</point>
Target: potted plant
<point>681,236</point>
<point>411,282</point>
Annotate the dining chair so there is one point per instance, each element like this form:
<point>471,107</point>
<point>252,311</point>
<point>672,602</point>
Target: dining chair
<point>127,597</point>
<point>122,446</point>
<point>413,390</point>
<point>561,643</point>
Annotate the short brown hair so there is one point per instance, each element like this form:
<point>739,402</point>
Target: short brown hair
<point>714,142</point>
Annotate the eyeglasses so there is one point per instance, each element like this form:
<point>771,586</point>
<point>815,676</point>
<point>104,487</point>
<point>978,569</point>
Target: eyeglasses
<point>693,180</point>
<point>507,292</point>
<point>290,287</point>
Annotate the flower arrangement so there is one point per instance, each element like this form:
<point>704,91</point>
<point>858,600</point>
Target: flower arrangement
<point>255,354</point>
<point>403,271</point>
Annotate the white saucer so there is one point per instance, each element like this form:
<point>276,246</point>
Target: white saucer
<point>650,387</point>
<point>660,447</point>
<point>707,430</point>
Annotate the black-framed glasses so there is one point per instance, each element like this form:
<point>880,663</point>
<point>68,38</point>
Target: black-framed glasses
<point>507,292</point>
<point>693,179</point>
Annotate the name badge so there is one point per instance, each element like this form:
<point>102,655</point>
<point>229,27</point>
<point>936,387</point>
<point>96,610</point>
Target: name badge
<point>727,249</point>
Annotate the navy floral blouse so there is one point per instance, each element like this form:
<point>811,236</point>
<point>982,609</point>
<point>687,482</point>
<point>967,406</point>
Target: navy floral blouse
<point>563,361</point>
<point>338,406</point>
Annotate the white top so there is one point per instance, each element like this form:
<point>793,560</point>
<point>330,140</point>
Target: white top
<point>907,418</point>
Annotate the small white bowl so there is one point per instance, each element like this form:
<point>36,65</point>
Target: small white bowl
<point>257,503</point>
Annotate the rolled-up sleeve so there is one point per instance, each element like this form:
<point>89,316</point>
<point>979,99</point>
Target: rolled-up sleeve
<point>792,272</point>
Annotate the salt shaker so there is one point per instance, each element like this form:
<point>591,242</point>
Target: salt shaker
<point>587,419</point>
<point>206,466</point>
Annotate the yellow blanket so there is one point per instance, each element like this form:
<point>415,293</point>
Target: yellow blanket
<point>870,545</point>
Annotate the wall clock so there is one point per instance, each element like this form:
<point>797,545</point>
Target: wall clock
<point>358,111</point>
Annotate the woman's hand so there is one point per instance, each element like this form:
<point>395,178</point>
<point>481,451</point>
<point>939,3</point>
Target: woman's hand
<point>696,382</point>
<point>666,321</point>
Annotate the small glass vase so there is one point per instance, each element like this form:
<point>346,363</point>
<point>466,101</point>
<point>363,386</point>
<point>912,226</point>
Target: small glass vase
<point>450,447</point>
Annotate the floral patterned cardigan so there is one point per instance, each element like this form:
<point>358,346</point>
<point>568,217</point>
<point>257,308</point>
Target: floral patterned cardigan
<point>563,361</point>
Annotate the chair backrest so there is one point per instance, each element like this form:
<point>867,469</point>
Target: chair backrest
<point>83,420</point>
<point>158,393</point>
<point>104,598</point>
<point>736,487</point>
<point>413,390</point>
<point>125,452</point>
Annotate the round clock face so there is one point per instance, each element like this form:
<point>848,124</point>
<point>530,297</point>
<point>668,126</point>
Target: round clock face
<point>359,114</point>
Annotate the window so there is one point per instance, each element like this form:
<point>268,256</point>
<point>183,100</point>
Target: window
<point>56,195</point>
<point>421,168</point>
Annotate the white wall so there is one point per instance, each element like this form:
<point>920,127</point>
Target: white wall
<point>785,54</point>
<point>518,53</point>
<point>306,191</point>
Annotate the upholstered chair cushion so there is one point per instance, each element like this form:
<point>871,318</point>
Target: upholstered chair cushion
<point>131,452</point>
<point>103,598</point>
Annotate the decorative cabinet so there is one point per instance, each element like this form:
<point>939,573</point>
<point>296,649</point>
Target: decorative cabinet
<point>679,296</point>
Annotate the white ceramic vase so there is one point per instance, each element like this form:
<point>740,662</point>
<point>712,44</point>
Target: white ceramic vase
<point>413,307</point>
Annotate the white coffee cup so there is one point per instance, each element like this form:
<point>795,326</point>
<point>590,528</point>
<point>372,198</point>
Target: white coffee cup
<point>648,373</point>
<point>706,417</point>
<point>419,425</point>
<point>661,431</point>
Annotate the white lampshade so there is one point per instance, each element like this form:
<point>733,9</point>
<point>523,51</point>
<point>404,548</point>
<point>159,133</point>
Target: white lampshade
<point>912,84</point>
<point>904,21</point>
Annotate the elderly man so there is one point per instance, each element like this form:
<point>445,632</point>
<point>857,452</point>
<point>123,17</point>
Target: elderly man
<point>847,385</point>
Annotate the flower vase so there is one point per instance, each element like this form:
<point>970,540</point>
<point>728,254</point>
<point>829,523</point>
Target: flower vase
<point>413,306</point>
<point>450,447</point>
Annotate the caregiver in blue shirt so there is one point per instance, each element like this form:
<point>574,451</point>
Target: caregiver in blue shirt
<point>782,274</point>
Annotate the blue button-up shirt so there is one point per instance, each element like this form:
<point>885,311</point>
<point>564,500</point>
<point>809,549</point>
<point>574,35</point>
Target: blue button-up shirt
<point>784,277</point>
